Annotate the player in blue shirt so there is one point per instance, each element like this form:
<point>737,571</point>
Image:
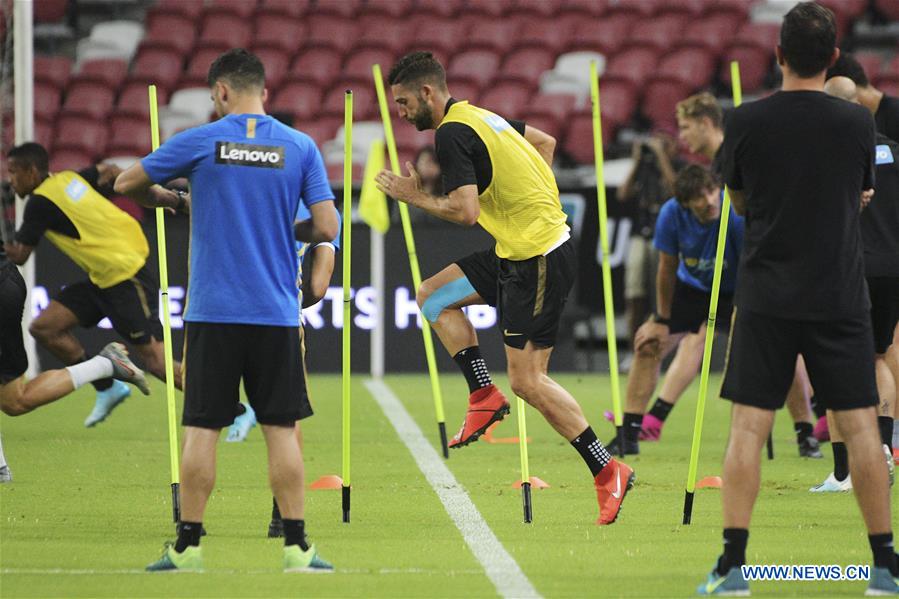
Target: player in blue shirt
<point>248,174</point>
<point>686,236</point>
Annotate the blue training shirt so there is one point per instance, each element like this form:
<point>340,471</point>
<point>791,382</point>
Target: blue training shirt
<point>679,233</point>
<point>248,175</point>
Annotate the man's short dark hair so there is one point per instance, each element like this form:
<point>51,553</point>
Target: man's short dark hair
<point>693,181</point>
<point>847,66</point>
<point>240,69</point>
<point>32,154</point>
<point>808,38</point>
<point>417,68</point>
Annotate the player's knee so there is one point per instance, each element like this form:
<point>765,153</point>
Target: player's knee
<point>12,405</point>
<point>42,330</point>
<point>524,385</point>
<point>649,351</point>
<point>424,292</point>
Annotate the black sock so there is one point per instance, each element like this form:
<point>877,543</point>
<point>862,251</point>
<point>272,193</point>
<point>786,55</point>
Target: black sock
<point>803,430</point>
<point>188,535</point>
<point>473,367</point>
<point>593,452</point>
<point>276,513</point>
<point>99,384</point>
<point>885,424</point>
<point>882,548</point>
<point>734,554</point>
<point>817,407</point>
<point>840,461</point>
<point>661,409</point>
<point>295,533</point>
<point>632,424</point>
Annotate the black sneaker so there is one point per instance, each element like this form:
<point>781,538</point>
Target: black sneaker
<point>275,528</point>
<point>809,448</point>
<point>630,447</point>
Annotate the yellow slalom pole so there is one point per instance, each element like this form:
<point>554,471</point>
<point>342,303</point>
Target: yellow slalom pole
<point>347,296</point>
<point>710,326</point>
<point>166,325</point>
<point>525,468</point>
<point>413,259</point>
<point>606,267</point>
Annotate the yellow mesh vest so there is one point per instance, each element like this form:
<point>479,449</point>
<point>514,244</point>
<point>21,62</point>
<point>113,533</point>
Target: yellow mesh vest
<point>112,247</point>
<point>520,208</point>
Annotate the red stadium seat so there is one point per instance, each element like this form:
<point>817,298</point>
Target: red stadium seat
<point>223,32</point>
<point>106,71</point>
<point>340,8</point>
<point>129,136</point>
<point>889,84</point>
<point>330,31</point>
<point>389,8</point>
<point>46,101</point>
<point>872,62</point>
<point>891,68</point>
<point>535,8</point>
<point>276,63</point>
<point>199,64</point>
<point>409,140</point>
<point>578,142</point>
<point>301,100</point>
<point>526,65</point>
<point>693,66</point>
<point>488,9</point>
<point>190,9</point>
<point>53,70</point>
<point>755,63</point>
<point>286,8</point>
<point>43,133</point>
<point>359,64</point>
<point>89,100</point>
<point>320,129</point>
<point>617,100</point>
<point>711,33</point>
<point>635,64</point>
<point>68,160</point>
<point>847,9</point>
<point>169,31</point>
<point>50,11</point>
<point>242,9</point>
<point>161,67</point>
<point>659,100</point>
<point>635,9</point>
<point>546,124</point>
<point>134,100</point>
<point>556,107</point>
<point>319,65</point>
<point>476,66</point>
<point>761,35</point>
<point>888,8</point>
<point>736,9</point>
<point>466,90</point>
<point>497,35</point>
<point>660,32</point>
<point>689,9</point>
<point>279,31</point>
<point>382,32</point>
<point>440,8</point>
<point>533,32</point>
<point>365,104</point>
<point>80,134</point>
<point>509,100</point>
<point>606,35</point>
<point>439,34</point>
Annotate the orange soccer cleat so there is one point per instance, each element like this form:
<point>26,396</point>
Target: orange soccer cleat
<point>612,484</point>
<point>485,406</point>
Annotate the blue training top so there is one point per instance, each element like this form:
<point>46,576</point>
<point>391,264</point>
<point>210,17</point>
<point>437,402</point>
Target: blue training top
<point>679,233</point>
<point>248,174</point>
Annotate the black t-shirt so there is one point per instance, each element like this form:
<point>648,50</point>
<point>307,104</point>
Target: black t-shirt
<point>880,220</point>
<point>463,156</point>
<point>801,160</point>
<point>887,117</point>
<point>42,215</point>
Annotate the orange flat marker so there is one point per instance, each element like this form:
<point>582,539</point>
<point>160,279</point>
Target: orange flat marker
<point>709,482</point>
<point>489,438</point>
<point>535,483</point>
<point>327,483</point>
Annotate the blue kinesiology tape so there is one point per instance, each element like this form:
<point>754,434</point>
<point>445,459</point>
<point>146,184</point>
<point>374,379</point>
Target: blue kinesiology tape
<point>446,295</point>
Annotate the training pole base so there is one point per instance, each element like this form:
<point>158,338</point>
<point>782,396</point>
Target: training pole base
<point>526,502</point>
<point>328,482</point>
<point>688,507</point>
<point>770,447</point>
<point>443,440</point>
<point>619,435</point>
<point>176,504</point>
<point>345,501</point>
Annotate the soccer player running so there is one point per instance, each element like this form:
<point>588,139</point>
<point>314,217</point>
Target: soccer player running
<point>799,164</point>
<point>497,173</point>
<point>109,245</point>
<point>686,236</point>
<point>248,174</point>
<point>880,235</point>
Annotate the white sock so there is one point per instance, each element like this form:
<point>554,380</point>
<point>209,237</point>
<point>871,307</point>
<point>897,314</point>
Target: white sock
<point>2,457</point>
<point>94,369</point>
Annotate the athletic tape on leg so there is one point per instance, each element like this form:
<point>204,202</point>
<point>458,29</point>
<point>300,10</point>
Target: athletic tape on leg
<point>446,295</point>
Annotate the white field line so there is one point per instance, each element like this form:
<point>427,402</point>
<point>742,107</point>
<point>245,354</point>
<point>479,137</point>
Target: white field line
<point>101,572</point>
<point>502,570</point>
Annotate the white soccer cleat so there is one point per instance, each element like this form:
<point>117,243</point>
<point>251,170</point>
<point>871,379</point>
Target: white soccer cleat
<point>832,485</point>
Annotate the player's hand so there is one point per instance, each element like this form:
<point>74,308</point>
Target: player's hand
<point>650,333</point>
<point>866,198</point>
<point>398,187</point>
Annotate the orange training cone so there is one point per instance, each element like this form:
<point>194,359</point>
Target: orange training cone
<point>328,482</point>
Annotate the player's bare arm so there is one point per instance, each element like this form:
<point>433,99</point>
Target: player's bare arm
<point>461,206</point>
<point>737,200</point>
<point>18,253</point>
<point>323,225</point>
<point>543,142</point>
<point>316,285</point>
<point>134,183</point>
<point>666,276</point>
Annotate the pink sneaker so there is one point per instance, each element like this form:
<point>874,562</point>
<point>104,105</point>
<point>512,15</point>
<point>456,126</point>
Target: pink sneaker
<point>821,432</point>
<point>651,430</point>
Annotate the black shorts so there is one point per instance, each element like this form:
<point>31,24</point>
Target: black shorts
<point>884,293</point>
<point>132,306</point>
<point>528,294</point>
<point>267,358</point>
<point>690,310</point>
<point>838,354</point>
<point>13,359</point>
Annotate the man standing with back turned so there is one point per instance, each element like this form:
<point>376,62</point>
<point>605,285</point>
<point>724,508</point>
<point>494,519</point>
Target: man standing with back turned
<point>497,173</point>
<point>248,174</point>
<point>798,164</point>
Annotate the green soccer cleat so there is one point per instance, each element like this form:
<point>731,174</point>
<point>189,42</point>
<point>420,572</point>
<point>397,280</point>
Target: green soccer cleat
<point>882,583</point>
<point>191,560</point>
<point>297,560</point>
<point>731,585</point>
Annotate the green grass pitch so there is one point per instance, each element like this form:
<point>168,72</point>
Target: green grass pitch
<point>89,508</point>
